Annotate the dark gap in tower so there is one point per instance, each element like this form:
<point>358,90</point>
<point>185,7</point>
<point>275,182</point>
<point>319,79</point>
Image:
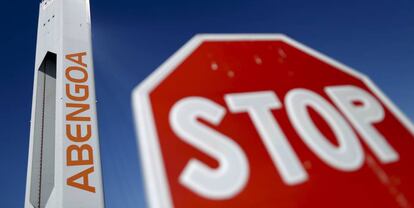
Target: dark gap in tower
<point>43,162</point>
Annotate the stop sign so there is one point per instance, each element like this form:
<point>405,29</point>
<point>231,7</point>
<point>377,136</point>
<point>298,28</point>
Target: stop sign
<point>264,121</point>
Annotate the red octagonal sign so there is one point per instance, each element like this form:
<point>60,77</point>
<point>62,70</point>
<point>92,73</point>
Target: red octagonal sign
<point>264,121</point>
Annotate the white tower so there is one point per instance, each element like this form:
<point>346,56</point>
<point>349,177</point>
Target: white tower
<point>64,168</point>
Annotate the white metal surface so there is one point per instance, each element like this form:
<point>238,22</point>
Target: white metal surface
<point>64,168</point>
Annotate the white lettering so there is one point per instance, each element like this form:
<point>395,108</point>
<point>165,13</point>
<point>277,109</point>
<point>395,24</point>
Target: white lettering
<point>232,174</point>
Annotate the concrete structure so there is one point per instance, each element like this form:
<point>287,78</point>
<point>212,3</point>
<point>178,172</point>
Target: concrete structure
<point>64,167</point>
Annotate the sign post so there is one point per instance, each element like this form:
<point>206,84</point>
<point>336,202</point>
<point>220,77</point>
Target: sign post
<point>264,121</point>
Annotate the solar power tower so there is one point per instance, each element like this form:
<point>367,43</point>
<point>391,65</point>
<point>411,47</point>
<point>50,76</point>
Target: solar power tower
<point>64,168</point>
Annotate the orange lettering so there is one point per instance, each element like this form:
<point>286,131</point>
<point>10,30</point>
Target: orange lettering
<point>77,58</point>
<point>74,116</point>
<point>79,150</point>
<point>74,79</point>
<point>78,137</point>
<point>85,176</point>
<point>78,88</point>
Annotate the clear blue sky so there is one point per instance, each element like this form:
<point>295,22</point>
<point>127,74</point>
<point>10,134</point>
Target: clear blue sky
<point>132,37</point>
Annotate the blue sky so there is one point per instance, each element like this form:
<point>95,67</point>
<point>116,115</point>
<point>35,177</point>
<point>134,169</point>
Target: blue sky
<point>132,37</point>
